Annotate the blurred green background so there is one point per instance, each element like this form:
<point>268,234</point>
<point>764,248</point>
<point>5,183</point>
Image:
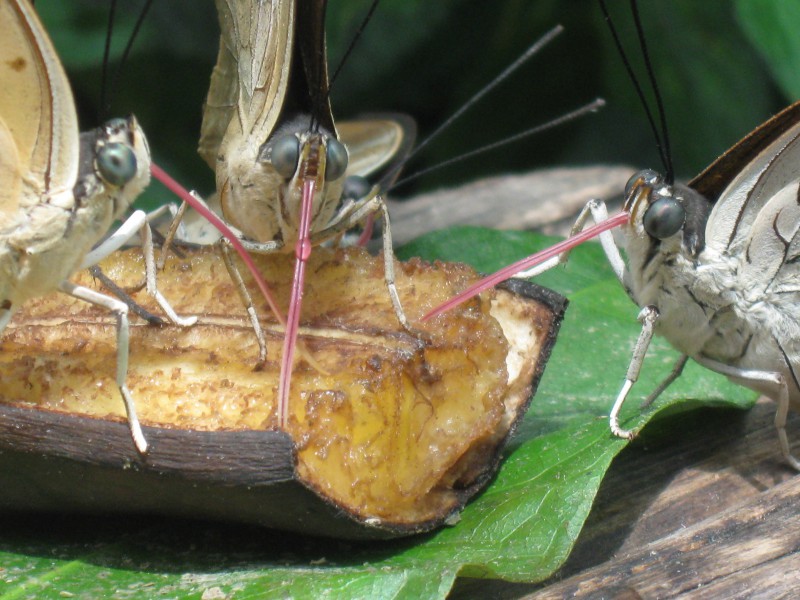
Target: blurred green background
<point>426,58</point>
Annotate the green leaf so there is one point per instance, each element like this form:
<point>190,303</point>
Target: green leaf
<point>771,26</point>
<point>521,528</point>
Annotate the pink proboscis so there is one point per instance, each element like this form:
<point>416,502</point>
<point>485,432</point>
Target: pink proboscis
<point>302,252</point>
<point>220,225</point>
<point>366,234</point>
<point>527,263</point>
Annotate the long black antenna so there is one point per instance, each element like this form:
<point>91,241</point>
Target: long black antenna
<point>662,145</point>
<point>103,110</point>
<point>367,18</point>
<point>523,58</point>
<point>593,106</point>
<point>651,75</point>
<point>106,99</point>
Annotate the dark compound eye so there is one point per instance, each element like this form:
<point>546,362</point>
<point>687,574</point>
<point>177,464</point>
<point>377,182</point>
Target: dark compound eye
<point>355,188</point>
<point>664,218</point>
<point>335,160</point>
<point>116,163</point>
<point>285,154</point>
<point>646,177</point>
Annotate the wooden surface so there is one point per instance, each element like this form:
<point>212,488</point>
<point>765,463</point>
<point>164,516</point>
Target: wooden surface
<point>546,200</point>
<point>709,513</point>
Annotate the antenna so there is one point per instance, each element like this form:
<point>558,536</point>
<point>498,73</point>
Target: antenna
<point>662,138</point>
<point>331,80</point>
<point>105,97</point>
<point>522,59</point>
<point>103,110</point>
<point>533,49</point>
<point>367,18</point>
<point>593,106</point>
<point>651,75</point>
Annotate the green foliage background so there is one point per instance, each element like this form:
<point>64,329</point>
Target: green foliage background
<point>723,66</point>
<point>427,58</point>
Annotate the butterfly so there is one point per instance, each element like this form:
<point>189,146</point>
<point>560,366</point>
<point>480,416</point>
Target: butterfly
<point>268,132</point>
<point>60,190</point>
<point>268,99</point>
<point>714,266</point>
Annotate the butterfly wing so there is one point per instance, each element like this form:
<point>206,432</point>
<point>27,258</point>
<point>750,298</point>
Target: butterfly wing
<point>309,91</point>
<point>220,105</point>
<point>744,180</point>
<point>756,221</point>
<point>771,260</point>
<point>377,142</point>
<point>250,80</point>
<point>39,128</point>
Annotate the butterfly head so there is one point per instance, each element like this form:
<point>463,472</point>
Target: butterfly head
<point>656,209</point>
<point>299,154</point>
<point>291,154</point>
<point>122,161</point>
<point>666,216</point>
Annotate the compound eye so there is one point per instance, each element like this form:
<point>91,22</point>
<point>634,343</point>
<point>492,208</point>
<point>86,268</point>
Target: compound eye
<point>646,177</point>
<point>335,160</point>
<point>355,188</point>
<point>285,155</point>
<point>116,163</point>
<point>664,218</point>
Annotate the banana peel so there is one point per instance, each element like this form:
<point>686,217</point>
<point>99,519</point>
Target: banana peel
<point>389,435</point>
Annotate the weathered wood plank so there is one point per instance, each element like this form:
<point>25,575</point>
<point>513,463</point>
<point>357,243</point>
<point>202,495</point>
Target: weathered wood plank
<point>707,559</point>
<point>711,513</point>
<point>545,200</point>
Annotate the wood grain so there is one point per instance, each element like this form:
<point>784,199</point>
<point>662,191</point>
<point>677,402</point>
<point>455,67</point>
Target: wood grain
<point>711,513</point>
<point>546,200</point>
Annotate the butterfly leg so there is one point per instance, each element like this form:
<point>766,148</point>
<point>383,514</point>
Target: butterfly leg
<point>230,265</point>
<point>599,212</point>
<point>780,423</point>
<point>388,267</point>
<point>247,300</point>
<point>236,277</point>
<point>120,311</point>
<point>133,306</point>
<point>648,317</point>
<point>138,222</point>
<point>677,369</point>
<point>116,240</point>
<point>152,287</point>
<point>354,213</point>
<point>172,232</point>
<point>781,396</point>
<point>5,317</point>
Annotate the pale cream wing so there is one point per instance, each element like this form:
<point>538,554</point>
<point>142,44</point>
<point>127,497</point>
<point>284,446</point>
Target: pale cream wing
<point>770,263</point>
<point>10,178</point>
<point>371,144</point>
<point>259,36</point>
<point>219,106</point>
<point>37,112</point>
